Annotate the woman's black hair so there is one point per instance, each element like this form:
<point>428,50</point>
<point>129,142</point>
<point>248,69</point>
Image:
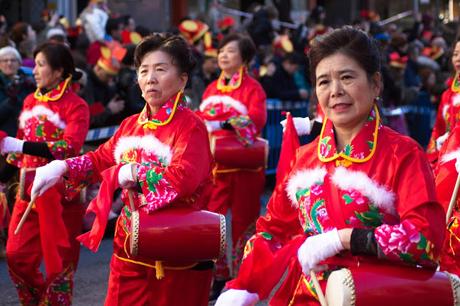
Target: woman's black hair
<point>174,45</point>
<point>245,45</point>
<point>58,57</point>
<point>349,41</point>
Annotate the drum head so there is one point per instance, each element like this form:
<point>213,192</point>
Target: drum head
<point>340,290</point>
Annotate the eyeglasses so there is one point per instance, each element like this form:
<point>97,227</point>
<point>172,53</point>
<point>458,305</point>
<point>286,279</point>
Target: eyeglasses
<point>11,60</point>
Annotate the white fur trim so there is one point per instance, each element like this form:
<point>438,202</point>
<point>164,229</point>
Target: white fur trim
<point>456,99</point>
<point>444,110</point>
<point>450,156</point>
<point>379,195</point>
<point>148,143</point>
<point>303,179</point>
<point>40,110</point>
<point>227,100</point>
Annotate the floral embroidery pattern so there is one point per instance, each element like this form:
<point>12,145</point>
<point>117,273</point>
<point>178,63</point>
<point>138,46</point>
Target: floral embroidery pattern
<point>80,174</point>
<point>359,150</point>
<point>245,129</point>
<point>28,295</point>
<point>403,241</point>
<point>157,191</point>
<point>59,292</point>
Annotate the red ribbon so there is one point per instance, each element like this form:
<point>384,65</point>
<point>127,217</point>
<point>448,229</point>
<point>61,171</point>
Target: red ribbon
<point>100,206</point>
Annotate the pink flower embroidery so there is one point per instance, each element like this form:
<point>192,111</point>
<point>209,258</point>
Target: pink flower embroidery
<point>394,239</point>
<point>316,189</point>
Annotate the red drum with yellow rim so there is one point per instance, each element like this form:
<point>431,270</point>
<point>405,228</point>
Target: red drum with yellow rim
<point>384,285</point>
<point>228,151</point>
<point>178,234</point>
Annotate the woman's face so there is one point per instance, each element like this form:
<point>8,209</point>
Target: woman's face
<point>229,57</point>
<point>45,76</point>
<point>159,79</point>
<point>456,57</point>
<point>344,91</point>
<point>9,65</point>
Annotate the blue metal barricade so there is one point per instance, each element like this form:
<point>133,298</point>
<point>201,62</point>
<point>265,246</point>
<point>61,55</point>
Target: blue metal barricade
<point>273,130</point>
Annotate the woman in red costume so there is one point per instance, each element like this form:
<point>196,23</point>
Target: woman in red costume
<point>234,105</point>
<point>52,126</point>
<point>448,111</point>
<point>359,191</point>
<point>162,155</point>
<point>446,171</point>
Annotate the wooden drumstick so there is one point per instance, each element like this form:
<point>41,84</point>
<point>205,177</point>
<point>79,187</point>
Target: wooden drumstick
<point>319,291</point>
<point>24,216</point>
<point>131,200</point>
<point>453,198</point>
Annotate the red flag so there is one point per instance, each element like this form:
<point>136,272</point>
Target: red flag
<point>288,148</point>
<point>100,206</point>
<point>2,135</point>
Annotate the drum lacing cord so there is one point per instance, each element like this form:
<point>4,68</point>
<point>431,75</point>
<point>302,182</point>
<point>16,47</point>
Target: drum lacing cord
<point>216,171</point>
<point>158,266</point>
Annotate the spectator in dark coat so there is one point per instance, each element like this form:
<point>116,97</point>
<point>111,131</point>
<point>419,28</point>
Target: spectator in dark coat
<point>15,85</point>
<point>281,85</point>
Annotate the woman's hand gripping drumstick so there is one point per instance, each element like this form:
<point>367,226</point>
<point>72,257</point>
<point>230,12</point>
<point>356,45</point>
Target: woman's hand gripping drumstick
<point>45,177</point>
<point>24,216</point>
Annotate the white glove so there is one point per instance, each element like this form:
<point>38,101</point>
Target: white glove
<point>125,177</point>
<point>302,125</point>
<point>457,165</point>
<point>318,248</point>
<point>213,125</point>
<point>235,297</point>
<point>47,176</point>
<point>440,140</point>
<point>11,145</point>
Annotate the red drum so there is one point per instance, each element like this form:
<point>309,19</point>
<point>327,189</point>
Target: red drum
<point>383,285</point>
<point>179,234</point>
<point>230,152</point>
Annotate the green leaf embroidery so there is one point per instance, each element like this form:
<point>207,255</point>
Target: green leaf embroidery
<point>326,139</point>
<point>152,179</point>
<point>314,216</point>
<point>347,199</point>
<point>370,144</point>
<point>266,236</point>
<point>421,245</point>
<point>348,150</point>
<point>371,218</point>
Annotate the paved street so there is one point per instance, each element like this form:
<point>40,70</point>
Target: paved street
<point>90,281</point>
<point>92,273</point>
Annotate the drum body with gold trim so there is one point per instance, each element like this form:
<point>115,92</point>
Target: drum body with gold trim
<point>228,151</point>
<point>394,285</point>
<point>179,234</point>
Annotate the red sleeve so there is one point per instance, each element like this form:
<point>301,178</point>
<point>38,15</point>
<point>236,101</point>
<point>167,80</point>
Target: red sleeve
<point>77,125</point>
<point>257,109</point>
<point>417,238</point>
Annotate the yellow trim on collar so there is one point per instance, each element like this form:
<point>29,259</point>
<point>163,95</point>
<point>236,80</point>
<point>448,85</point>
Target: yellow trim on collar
<point>351,159</point>
<point>45,97</point>
<point>229,88</point>
<point>153,125</point>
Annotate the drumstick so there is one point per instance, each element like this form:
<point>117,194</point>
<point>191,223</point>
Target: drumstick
<point>24,216</point>
<point>453,198</point>
<point>319,291</point>
<point>131,200</point>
